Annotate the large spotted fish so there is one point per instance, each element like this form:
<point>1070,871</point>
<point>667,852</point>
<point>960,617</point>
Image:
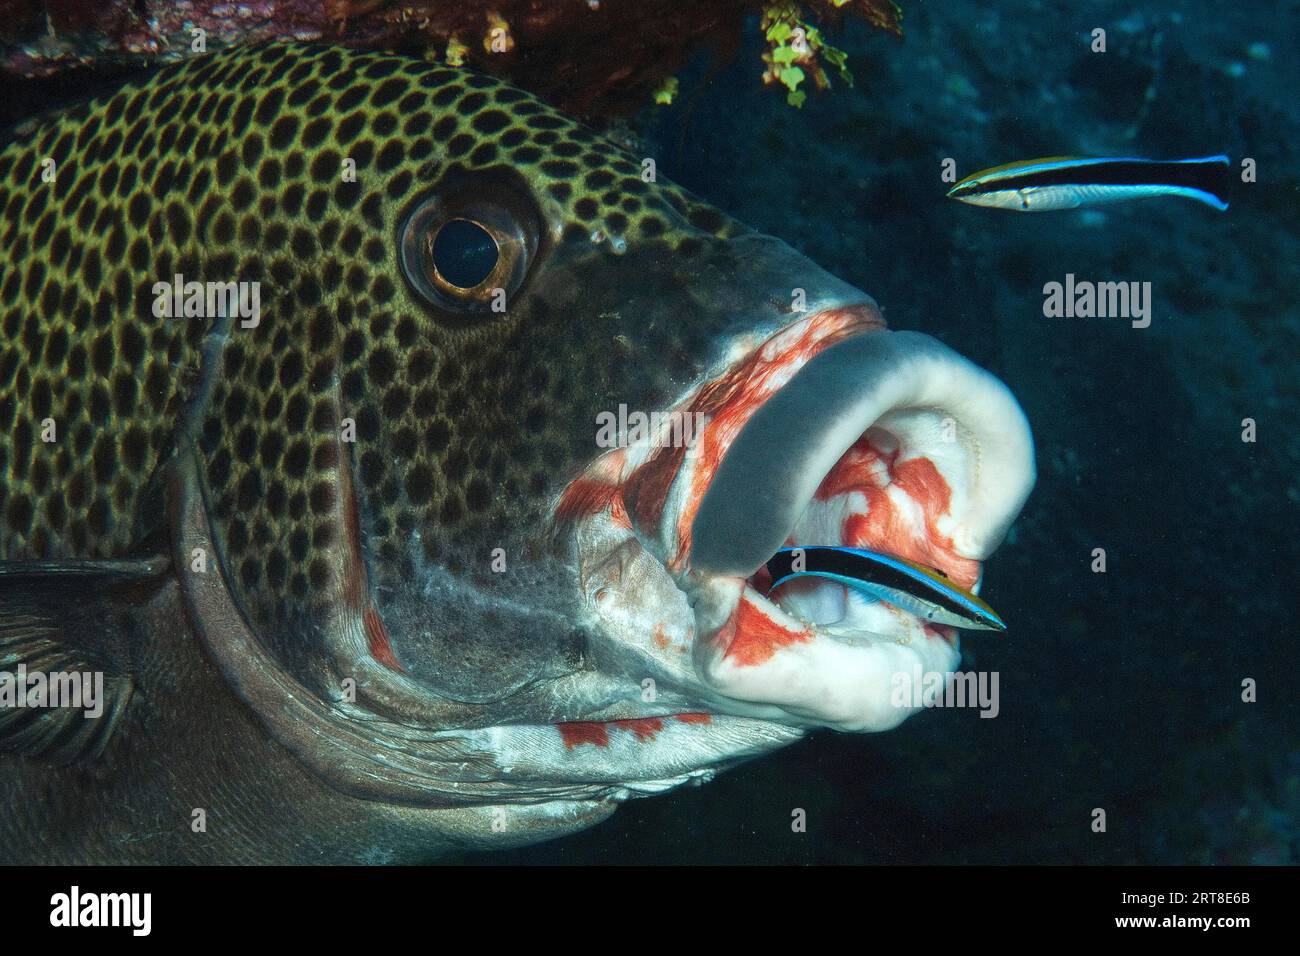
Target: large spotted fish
<point>360,577</point>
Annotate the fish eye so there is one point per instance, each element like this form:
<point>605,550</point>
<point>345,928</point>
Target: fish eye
<point>464,253</point>
<point>464,256</point>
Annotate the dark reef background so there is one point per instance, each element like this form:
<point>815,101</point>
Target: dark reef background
<point>1119,690</point>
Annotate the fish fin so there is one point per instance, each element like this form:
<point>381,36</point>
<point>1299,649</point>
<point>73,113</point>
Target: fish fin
<point>68,618</point>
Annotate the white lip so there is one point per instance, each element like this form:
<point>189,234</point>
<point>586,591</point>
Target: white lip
<point>933,402</point>
<point>832,675</point>
<point>815,657</point>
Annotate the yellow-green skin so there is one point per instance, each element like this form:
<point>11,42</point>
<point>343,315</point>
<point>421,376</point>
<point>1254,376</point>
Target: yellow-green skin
<point>232,167</point>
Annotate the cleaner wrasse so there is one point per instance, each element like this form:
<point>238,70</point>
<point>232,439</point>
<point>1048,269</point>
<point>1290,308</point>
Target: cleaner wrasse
<point>926,592</point>
<point>1068,182</point>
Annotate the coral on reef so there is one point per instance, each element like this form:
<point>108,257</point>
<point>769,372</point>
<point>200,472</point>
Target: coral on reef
<point>796,50</point>
<point>593,57</point>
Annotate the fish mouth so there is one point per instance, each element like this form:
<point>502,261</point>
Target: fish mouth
<point>830,431</point>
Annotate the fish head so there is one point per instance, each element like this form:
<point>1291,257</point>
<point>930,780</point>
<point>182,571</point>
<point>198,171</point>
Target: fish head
<point>493,480</point>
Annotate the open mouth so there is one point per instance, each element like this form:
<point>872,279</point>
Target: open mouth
<point>832,432</point>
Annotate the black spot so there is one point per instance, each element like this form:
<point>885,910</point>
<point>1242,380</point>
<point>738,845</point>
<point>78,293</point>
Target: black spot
<point>133,344</point>
<point>304,244</point>
<point>461,144</point>
<point>276,235</point>
<point>250,573</point>
<point>445,127</point>
<point>249,491</point>
<point>321,331</point>
<point>348,130</point>
<point>382,366</point>
<point>399,184</point>
<point>137,210</point>
<point>354,386</point>
<point>102,354</point>
<point>395,402</point>
<point>250,231</point>
<point>292,198</point>
<point>419,484</point>
<point>124,394</point>
<point>178,223</point>
<point>319,573</point>
<point>269,175</point>
<point>437,436</point>
<point>241,197</point>
<point>227,166</point>
<point>485,154</point>
<point>321,498</point>
<point>381,290</point>
<point>276,569</point>
<point>99,517</point>
<point>223,230</point>
<point>390,156</point>
<point>246,444</point>
<point>326,166</point>
<point>372,469</point>
<point>283,132</point>
<point>387,92</point>
<point>298,544</point>
<point>295,413</point>
<point>491,121</point>
<point>135,445</point>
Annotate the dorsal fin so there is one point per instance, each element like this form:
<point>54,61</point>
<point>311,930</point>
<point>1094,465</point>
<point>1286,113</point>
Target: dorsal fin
<point>65,677</point>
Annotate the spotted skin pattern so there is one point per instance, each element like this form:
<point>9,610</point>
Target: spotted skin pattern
<point>231,168</point>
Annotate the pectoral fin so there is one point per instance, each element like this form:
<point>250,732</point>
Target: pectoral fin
<point>68,622</point>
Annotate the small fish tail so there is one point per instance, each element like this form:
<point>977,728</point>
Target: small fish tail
<point>1208,179</point>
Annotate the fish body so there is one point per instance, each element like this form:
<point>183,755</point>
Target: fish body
<point>906,584</point>
<point>329,513</point>
<point>1070,182</point>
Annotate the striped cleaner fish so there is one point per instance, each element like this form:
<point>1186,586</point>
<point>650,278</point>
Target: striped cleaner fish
<point>304,356</point>
<point>1068,182</point>
<point>925,592</point>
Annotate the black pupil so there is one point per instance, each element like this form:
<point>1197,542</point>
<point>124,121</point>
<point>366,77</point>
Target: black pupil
<point>464,253</point>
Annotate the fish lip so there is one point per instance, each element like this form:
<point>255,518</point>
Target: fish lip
<point>630,503</point>
<point>801,431</point>
<point>720,593</point>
